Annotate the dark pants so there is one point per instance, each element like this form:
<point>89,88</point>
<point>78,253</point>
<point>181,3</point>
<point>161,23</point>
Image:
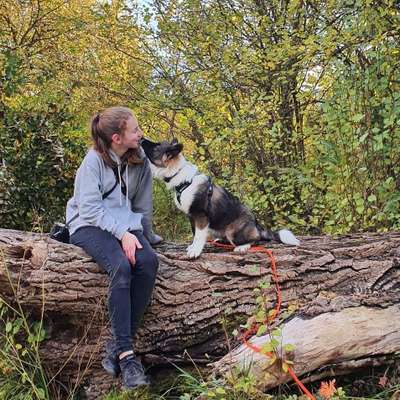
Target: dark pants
<point>130,286</point>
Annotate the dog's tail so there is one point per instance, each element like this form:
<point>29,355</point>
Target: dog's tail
<point>282,236</point>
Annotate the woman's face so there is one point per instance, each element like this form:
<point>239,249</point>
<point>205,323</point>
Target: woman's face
<point>131,137</point>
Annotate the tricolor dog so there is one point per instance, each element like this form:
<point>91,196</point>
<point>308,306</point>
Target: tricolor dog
<point>211,208</point>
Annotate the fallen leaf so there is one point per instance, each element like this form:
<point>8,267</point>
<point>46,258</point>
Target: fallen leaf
<point>383,381</point>
<point>327,389</point>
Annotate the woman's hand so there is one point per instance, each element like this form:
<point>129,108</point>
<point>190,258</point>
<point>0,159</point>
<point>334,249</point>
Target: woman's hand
<point>129,244</point>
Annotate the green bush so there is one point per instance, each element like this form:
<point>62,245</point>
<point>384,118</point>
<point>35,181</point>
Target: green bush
<point>39,156</point>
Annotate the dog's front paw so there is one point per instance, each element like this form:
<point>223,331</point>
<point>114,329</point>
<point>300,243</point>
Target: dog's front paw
<point>194,251</point>
<point>189,248</point>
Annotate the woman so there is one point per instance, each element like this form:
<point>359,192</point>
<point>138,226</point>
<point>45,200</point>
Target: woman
<point>112,203</point>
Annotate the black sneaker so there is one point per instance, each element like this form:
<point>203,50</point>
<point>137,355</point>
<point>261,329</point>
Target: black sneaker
<point>110,362</point>
<point>132,372</point>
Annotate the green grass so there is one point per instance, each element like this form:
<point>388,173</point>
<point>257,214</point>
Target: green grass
<point>191,384</point>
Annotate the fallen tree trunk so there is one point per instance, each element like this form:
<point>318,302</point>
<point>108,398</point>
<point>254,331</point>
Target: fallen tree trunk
<point>330,280</point>
<point>329,344</point>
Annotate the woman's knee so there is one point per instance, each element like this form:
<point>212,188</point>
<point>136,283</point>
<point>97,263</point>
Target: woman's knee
<point>147,262</point>
<point>152,265</point>
<point>121,274</point>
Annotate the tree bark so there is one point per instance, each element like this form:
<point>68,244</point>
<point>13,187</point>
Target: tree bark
<point>345,290</point>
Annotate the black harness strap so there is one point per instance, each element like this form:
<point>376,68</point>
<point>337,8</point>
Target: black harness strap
<point>184,185</point>
<point>210,191</point>
<point>180,188</point>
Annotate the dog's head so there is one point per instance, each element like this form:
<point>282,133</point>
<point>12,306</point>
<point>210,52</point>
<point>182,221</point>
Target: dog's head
<point>161,154</point>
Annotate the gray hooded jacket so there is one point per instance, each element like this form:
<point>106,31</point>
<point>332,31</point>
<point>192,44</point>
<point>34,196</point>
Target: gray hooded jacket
<point>117,213</point>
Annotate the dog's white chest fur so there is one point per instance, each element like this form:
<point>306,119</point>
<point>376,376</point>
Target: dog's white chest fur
<point>187,196</point>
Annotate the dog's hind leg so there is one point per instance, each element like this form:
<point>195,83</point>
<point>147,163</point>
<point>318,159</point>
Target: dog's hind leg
<point>200,237</point>
<point>242,248</point>
<point>244,237</point>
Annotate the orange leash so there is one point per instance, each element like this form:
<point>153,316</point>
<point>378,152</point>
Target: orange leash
<point>252,330</point>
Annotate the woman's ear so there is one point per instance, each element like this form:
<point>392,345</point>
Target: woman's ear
<point>116,138</point>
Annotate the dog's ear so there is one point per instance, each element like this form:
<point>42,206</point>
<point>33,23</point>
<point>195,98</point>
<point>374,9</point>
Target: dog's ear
<point>174,141</point>
<point>174,150</point>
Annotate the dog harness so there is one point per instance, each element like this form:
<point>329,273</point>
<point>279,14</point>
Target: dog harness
<point>184,185</point>
<point>180,188</point>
